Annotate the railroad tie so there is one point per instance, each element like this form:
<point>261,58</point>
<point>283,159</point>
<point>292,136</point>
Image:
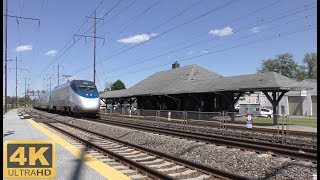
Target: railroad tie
<point>161,165</point>
<point>152,162</point>
<point>187,172</point>
<point>172,168</point>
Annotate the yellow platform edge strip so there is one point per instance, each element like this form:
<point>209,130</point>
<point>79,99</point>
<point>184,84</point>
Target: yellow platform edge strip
<point>102,168</point>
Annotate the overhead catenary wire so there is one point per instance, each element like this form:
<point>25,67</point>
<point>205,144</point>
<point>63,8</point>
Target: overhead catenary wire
<point>205,33</point>
<point>62,51</point>
<point>75,41</point>
<point>117,14</point>
<point>267,20</point>
<point>278,35</point>
<point>167,31</point>
<point>167,21</point>
<point>134,19</point>
<point>157,26</point>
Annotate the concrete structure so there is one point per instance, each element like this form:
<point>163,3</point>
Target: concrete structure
<point>68,165</point>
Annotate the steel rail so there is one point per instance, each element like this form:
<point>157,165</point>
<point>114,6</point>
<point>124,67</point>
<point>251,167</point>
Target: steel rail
<point>258,145</point>
<point>190,164</point>
<point>257,129</point>
<point>142,168</point>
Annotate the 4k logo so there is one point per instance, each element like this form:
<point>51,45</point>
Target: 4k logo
<point>29,159</point>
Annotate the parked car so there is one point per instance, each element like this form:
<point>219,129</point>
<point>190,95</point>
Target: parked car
<point>266,113</point>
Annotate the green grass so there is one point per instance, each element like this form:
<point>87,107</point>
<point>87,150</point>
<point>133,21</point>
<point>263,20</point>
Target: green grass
<point>269,121</point>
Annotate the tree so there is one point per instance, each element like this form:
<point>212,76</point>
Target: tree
<point>282,64</point>
<point>118,85</point>
<point>22,100</point>
<point>310,60</point>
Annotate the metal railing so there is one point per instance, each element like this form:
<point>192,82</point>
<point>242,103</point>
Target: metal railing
<point>204,119</point>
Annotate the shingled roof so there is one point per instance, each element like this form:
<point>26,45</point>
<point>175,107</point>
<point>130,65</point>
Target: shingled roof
<point>306,83</point>
<point>195,79</point>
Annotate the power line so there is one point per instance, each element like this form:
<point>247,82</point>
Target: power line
<point>6,48</point>
<point>61,52</point>
<point>274,18</point>
<point>94,44</point>
<point>167,21</point>
<point>134,19</point>
<point>120,12</point>
<point>278,35</point>
<point>180,25</point>
<point>84,33</point>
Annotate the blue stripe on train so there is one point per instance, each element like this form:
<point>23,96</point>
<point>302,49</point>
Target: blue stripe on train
<point>88,94</point>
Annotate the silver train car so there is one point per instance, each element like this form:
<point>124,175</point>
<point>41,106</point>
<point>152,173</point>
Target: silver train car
<point>75,97</point>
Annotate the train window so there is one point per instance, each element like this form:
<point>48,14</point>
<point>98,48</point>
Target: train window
<point>91,88</point>
<point>82,88</point>
<point>73,86</point>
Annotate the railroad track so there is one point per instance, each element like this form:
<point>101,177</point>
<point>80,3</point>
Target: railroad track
<point>248,133</point>
<point>237,127</point>
<point>156,165</point>
<point>289,151</point>
<point>277,149</point>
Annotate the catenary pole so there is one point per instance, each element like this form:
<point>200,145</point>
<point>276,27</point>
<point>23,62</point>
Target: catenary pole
<point>94,53</point>
<point>6,60</point>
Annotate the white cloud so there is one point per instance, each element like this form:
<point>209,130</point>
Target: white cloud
<point>222,32</point>
<point>153,34</point>
<point>52,53</point>
<point>204,51</point>
<point>24,48</point>
<point>137,38</point>
<point>255,29</point>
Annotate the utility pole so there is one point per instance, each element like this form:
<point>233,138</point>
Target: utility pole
<point>49,79</point>
<point>16,82</point>
<point>58,73</point>
<point>25,92</point>
<point>94,44</point>
<point>16,68</point>
<point>6,63</point>
<point>6,50</point>
<point>50,83</point>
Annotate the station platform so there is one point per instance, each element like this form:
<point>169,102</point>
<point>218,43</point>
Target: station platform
<point>69,164</point>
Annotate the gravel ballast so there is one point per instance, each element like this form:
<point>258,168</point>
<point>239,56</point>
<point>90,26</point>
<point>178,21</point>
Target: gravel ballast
<point>250,164</point>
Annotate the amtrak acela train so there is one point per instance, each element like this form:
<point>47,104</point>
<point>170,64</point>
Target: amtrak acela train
<point>75,97</point>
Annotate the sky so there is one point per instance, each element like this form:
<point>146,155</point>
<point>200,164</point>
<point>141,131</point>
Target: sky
<point>137,38</point>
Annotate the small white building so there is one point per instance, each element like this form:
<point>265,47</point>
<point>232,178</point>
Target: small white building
<point>297,103</point>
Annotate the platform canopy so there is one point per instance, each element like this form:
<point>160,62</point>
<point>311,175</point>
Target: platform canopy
<point>195,79</point>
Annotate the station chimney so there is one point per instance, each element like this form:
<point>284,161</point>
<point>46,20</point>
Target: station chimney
<point>175,65</point>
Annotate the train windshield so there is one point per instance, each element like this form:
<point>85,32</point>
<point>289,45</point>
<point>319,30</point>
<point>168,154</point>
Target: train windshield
<point>83,86</point>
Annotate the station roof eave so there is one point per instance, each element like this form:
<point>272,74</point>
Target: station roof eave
<point>195,79</point>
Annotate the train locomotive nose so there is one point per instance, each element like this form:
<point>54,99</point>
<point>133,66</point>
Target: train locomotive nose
<point>89,105</point>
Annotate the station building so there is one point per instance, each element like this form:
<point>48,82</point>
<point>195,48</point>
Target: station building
<point>194,88</point>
